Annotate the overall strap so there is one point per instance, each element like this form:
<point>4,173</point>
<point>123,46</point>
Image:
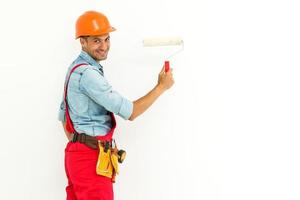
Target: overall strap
<point>69,124</point>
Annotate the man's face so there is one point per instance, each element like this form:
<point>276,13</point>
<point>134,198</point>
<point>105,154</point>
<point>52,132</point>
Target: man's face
<point>96,46</point>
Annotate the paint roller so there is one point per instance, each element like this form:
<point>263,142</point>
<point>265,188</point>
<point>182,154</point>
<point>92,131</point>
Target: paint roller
<point>164,41</point>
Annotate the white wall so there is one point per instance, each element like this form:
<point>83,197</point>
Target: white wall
<point>228,129</point>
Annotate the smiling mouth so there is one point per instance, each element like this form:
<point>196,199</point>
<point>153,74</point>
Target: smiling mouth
<point>101,52</point>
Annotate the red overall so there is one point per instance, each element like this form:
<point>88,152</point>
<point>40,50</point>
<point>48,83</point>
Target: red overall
<point>80,165</point>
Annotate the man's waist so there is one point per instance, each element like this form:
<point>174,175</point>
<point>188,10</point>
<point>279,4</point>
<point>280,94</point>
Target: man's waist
<point>94,129</point>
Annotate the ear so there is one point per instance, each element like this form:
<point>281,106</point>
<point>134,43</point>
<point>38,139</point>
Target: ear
<point>83,42</point>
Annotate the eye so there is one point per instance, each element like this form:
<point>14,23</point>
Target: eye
<point>107,39</point>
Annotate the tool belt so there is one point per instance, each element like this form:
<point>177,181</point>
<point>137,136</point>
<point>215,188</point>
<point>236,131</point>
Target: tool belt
<point>109,156</point>
<point>85,139</point>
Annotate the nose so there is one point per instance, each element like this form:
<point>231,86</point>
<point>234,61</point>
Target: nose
<point>104,46</point>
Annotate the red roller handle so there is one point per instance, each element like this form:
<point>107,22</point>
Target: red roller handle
<point>167,65</point>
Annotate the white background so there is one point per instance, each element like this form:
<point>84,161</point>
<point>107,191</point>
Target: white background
<point>227,130</point>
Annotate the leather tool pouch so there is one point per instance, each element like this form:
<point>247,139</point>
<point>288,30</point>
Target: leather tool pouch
<point>108,160</point>
<point>104,164</point>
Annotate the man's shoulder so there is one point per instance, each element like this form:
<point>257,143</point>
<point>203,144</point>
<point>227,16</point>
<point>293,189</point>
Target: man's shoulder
<point>82,68</point>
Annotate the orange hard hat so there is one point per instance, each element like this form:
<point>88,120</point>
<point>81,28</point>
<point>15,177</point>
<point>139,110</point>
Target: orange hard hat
<point>92,23</point>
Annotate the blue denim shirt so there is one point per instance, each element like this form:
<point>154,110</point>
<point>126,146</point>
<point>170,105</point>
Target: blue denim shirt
<point>91,97</point>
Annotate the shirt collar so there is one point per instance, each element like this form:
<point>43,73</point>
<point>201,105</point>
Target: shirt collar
<point>85,56</point>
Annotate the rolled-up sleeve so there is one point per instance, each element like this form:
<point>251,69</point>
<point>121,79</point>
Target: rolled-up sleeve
<point>61,112</point>
<point>93,84</point>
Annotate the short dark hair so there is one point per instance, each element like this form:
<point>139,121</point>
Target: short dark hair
<point>84,37</point>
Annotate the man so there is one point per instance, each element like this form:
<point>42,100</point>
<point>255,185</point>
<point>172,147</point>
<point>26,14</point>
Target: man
<point>89,104</point>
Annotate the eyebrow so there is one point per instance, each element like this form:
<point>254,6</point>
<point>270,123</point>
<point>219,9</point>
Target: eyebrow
<point>97,38</point>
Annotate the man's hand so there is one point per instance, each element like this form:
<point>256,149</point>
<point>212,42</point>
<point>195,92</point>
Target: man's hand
<point>165,79</point>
